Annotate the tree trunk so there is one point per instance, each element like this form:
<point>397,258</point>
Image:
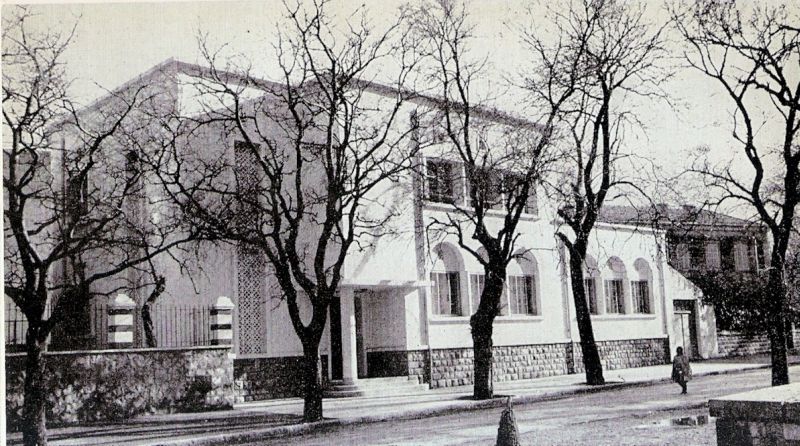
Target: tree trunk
<point>482,351</point>
<point>482,326</point>
<point>147,320</point>
<point>591,356</point>
<point>312,384</point>
<point>34,429</point>
<point>147,326</point>
<point>777,327</point>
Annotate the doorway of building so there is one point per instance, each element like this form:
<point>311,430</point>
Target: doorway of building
<point>335,317</point>
<point>361,353</point>
<point>683,323</point>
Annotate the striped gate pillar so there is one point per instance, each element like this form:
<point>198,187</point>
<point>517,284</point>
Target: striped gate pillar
<point>221,321</point>
<point>120,322</point>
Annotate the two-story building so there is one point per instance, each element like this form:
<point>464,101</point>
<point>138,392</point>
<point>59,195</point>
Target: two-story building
<point>404,303</point>
<point>700,242</point>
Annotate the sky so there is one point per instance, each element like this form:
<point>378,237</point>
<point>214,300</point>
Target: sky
<point>117,41</point>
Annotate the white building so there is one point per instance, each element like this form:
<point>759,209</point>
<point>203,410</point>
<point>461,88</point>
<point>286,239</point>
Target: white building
<point>404,304</point>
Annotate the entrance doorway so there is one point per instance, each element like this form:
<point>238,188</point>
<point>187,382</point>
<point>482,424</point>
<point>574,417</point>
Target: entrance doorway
<point>336,338</point>
<point>361,350</point>
<point>683,323</point>
<point>335,315</point>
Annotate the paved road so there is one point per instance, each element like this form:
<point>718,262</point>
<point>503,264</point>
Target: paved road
<point>634,416</point>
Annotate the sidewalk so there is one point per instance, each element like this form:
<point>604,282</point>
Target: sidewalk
<point>276,418</point>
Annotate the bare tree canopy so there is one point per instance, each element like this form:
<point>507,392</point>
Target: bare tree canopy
<point>491,165</point>
<point>305,157</point>
<point>752,52</point>
<point>603,52</point>
<point>72,215</point>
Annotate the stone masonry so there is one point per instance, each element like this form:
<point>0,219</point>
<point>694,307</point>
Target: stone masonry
<point>267,378</point>
<point>626,353</point>
<point>738,344</point>
<point>769,416</point>
<point>453,367</point>
<point>115,385</point>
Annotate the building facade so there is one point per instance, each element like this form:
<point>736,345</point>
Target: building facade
<point>404,304</point>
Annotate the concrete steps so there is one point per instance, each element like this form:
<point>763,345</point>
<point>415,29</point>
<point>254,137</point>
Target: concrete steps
<point>376,387</point>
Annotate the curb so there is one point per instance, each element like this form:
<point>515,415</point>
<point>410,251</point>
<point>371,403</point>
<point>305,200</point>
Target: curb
<point>460,406</point>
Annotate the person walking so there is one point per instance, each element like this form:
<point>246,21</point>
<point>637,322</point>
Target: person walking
<point>681,370</point>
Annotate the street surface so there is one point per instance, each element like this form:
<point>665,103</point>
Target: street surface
<point>633,416</point>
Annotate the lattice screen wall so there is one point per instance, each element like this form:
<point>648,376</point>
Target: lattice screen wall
<point>251,274</point>
<point>251,264</point>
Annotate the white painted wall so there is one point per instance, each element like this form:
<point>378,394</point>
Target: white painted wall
<point>627,244</point>
<point>383,316</point>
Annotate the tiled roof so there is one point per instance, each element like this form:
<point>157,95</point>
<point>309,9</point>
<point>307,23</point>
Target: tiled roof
<point>668,217</point>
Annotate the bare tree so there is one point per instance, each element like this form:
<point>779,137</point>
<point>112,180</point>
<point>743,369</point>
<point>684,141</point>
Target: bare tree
<point>309,155</point>
<point>497,160</point>
<point>752,53</point>
<point>604,54</point>
<point>67,230</point>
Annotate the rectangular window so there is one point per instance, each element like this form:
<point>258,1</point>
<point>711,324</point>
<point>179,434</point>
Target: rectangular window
<point>741,257</point>
<point>697,254</point>
<point>513,184</point>
<point>712,256</point>
<point>487,185</point>
<point>532,204</point>
<point>77,197</point>
<point>476,282</point>
<point>615,299</point>
<point>640,292</point>
<point>684,260</point>
<point>440,184</point>
<point>591,294</point>
<point>522,299</point>
<point>446,296</point>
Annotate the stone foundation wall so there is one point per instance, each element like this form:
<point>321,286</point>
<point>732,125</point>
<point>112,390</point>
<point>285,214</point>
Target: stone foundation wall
<point>627,353</point>
<point>737,344</point>
<point>418,365</point>
<point>454,367</point>
<point>266,378</point>
<point>114,385</point>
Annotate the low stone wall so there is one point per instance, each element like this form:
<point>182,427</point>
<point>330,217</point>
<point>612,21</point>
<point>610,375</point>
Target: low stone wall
<point>623,354</point>
<point>769,416</point>
<point>266,378</point>
<point>112,385</point>
<point>454,367</point>
<point>737,344</point>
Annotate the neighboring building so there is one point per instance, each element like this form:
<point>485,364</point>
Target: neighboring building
<point>404,304</point>
<point>701,242</point>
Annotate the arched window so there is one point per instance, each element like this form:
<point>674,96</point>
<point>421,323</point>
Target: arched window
<point>641,290</point>
<point>446,281</point>
<point>614,286</point>
<point>591,274</point>
<point>522,286</point>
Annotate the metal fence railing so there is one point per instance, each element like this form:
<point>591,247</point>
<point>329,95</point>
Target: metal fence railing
<point>173,325</point>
